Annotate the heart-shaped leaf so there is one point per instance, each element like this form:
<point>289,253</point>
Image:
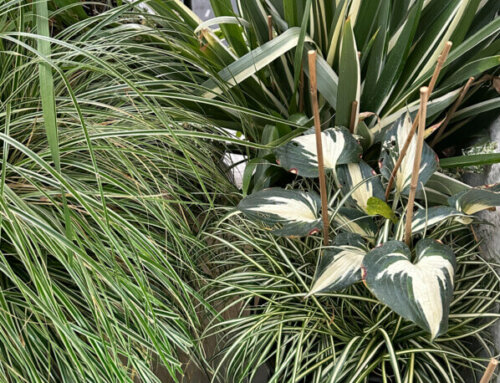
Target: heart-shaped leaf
<point>420,292</point>
<point>299,156</point>
<point>286,212</point>
<point>354,221</point>
<point>361,182</point>
<point>394,140</point>
<point>427,218</point>
<point>340,267</point>
<point>476,199</point>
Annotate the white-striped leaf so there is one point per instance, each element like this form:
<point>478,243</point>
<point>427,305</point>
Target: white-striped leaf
<point>421,291</point>
<point>354,221</point>
<point>361,182</point>
<point>340,266</point>
<point>285,212</point>
<point>476,199</point>
<point>300,156</point>
<point>394,140</point>
<point>428,218</point>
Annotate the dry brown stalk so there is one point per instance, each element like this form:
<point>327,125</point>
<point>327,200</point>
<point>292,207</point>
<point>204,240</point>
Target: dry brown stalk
<point>488,374</point>
<point>319,147</point>
<point>352,124</point>
<point>452,111</point>
<point>424,96</point>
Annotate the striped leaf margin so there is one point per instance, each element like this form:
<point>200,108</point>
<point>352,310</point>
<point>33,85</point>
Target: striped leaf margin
<point>285,212</point>
<point>473,200</point>
<point>419,291</point>
<point>299,156</point>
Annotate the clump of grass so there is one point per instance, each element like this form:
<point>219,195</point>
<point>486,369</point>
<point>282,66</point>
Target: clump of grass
<point>347,336</point>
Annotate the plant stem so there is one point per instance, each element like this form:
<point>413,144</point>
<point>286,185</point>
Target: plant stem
<point>270,27</point>
<point>452,111</point>
<point>319,147</point>
<point>432,83</point>
<point>424,93</point>
<point>488,374</point>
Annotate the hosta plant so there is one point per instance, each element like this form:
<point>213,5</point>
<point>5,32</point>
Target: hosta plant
<point>415,279</point>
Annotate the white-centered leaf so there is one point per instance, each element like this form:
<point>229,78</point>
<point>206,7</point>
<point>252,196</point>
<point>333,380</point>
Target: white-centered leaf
<point>300,155</point>
<point>394,140</point>
<point>476,199</point>
<point>428,218</point>
<point>360,182</point>
<point>340,266</point>
<point>285,212</point>
<point>421,291</point>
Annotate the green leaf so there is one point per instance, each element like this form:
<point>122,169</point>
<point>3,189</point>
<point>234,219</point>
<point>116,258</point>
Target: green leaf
<point>424,219</point>
<point>355,221</point>
<point>446,184</point>
<point>253,61</point>
<point>376,206</point>
<point>395,138</point>
<point>360,182</point>
<point>222,20</point>
<point>470,160</point>
<point>472,69</point>
<point>285,212</point>
<point>349,78</point>
<point>340,266</point>
<point>476,199</point>
<point>421,291</point>
<point>299,156</point>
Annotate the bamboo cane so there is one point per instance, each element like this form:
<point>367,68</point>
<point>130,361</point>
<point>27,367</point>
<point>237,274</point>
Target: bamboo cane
<point>424,93</point>
<point>319,147</point>
<point>432,83</point>
<point>488,374</point>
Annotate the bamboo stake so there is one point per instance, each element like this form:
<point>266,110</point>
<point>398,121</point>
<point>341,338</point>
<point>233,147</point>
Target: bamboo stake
<point>452,111</point>
<point>270,27</point>
<point>432,83</point>
<point>319,147</point>
<point>354,108</point>
<point>488,374</point>
<point>424,93</point>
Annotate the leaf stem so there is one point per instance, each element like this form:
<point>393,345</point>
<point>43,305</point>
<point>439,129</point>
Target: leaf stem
<point>319,147</point>
<point>432,83</point>
<point>424,96</point>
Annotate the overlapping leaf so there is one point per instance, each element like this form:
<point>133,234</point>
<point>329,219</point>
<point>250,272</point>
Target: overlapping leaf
<point>394,140</point>
<point>419,291</point>
<point>361,182</point>
<point>428,218</point>
<point>299,156</point>
<point>354,221</point>
<point>285,212</point>
<point>340,267</point>
<point>476,199</point>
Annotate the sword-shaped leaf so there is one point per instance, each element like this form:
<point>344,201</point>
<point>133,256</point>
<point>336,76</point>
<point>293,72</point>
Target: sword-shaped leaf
<point>285,212</point>
<point>299,156</point>
<point>473,200</point>
<point>420,292</point>
<point>361,182</point>
<point>340,267</point>
<point>427,218</point>
<point>355,221</point>
<point>391,146</point>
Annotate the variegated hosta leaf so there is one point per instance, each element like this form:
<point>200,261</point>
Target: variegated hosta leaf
<point>361,181</point>
<point>394,140</point>
<point>299,156</point>
<point>340,267</point>
<point>354,221</point>
<point>476,199</point>
<point>285,212</point>
<point>420,291</point>
<point>427,218</point>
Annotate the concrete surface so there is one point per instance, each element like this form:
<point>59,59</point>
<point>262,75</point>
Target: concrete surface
<point>203,9</point>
